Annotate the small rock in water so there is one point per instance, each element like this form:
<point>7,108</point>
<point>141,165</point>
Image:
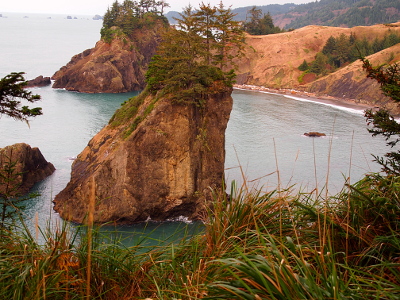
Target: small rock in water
<point>314,134</point>
<point>39,81</point>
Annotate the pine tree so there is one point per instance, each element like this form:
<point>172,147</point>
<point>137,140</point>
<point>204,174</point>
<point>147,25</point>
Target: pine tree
<point>304,66</point>
<point>206,21</point>
<point>185,64</point>
<point>11,93</point>
<point>382,122</point>
<point>258,24</point>
<point>229,37</point>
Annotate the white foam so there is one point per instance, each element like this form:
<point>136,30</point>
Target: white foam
<point>344,108</point>
<point>180,219</point>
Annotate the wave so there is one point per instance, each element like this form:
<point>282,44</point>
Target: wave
<point>359,111</point>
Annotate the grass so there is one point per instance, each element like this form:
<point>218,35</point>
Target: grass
<point>255,245</point>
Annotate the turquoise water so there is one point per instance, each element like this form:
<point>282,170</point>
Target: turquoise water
<point>264,134</point>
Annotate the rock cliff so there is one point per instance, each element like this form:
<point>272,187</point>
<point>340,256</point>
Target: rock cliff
<point>156,159</point>
<point>30,164</point>
<point>115,67</point>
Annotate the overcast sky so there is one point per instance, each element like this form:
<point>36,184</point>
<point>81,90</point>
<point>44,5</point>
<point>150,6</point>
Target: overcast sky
<point>92,7</point>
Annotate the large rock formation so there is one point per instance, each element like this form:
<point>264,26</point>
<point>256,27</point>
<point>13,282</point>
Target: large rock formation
<point>115,67</point>
<point>30,167</point>
<point>155,160</point>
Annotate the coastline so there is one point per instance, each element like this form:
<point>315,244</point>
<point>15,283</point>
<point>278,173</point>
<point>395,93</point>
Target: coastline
<point>347,104</point>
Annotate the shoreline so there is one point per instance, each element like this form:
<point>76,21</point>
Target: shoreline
<point>327,100</point>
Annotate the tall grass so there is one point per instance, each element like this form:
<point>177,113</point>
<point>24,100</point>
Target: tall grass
<point>255,245</point>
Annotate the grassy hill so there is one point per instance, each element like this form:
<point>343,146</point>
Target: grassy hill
<point>273,60</point>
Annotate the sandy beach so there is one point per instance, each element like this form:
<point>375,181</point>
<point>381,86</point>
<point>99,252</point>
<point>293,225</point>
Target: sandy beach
<point>347,103</point>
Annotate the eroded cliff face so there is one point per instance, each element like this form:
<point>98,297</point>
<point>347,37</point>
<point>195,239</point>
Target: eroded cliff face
<point>117,67</point>
<point>158,169</point>
<point>30,167</point>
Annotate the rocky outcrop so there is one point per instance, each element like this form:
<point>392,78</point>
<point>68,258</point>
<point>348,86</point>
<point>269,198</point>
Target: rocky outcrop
<point>115,67</point>
<point>314,134</point>
<point>39,82</point>
<point>155,160</point>
<point>30,166</point>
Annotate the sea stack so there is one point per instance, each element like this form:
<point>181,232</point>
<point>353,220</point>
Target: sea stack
<point>117,66</point>
<point>156,159</point>
<point>30,167</point>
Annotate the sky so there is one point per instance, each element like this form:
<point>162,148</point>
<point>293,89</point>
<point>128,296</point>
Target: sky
<point>93,7</point>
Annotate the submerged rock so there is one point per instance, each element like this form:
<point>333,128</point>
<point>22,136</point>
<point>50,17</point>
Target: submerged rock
<point>30,164</point>
<point>156,160</point>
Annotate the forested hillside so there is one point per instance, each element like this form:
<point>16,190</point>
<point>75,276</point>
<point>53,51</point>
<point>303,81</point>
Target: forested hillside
<point>343,13</point>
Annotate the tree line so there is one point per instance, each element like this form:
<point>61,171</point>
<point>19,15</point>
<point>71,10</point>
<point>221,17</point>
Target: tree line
<point>131,15</point>
<point>259,23</point>
<point>340,51</point>
<point>351,13</point>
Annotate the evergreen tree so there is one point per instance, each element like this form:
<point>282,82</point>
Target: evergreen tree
<point>111,16</point>
<point>304,66</point>
<point>382,122</point>
<point>185,64</point>
<point>206,21</point>
<point>251,25</point>
<point>12,92</point>
<point>258,24</point>
<point>318,66</point>
<point>229,37</point>
<point>131,15</point>
<point>330,46</point>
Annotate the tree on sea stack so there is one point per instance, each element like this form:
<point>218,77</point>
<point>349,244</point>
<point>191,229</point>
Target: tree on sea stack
<point>191,57</point>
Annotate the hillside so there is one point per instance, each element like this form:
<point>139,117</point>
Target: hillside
<point>342,13</point>
<point>339,13</point>
<point>273,60</point>
<point>350,82</point>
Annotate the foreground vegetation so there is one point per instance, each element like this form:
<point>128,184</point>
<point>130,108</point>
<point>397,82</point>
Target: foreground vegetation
<point>275,245</point>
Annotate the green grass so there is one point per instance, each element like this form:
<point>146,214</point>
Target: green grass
<point>255,245</point>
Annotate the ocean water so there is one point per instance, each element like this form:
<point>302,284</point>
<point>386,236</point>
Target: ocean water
<point>265,145</point>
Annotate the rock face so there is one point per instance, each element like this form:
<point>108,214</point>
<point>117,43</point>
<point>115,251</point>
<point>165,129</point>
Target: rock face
<point>117,67</point>
<point>30,164</point>
<point>158,169</point>
<point>39,81</point>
